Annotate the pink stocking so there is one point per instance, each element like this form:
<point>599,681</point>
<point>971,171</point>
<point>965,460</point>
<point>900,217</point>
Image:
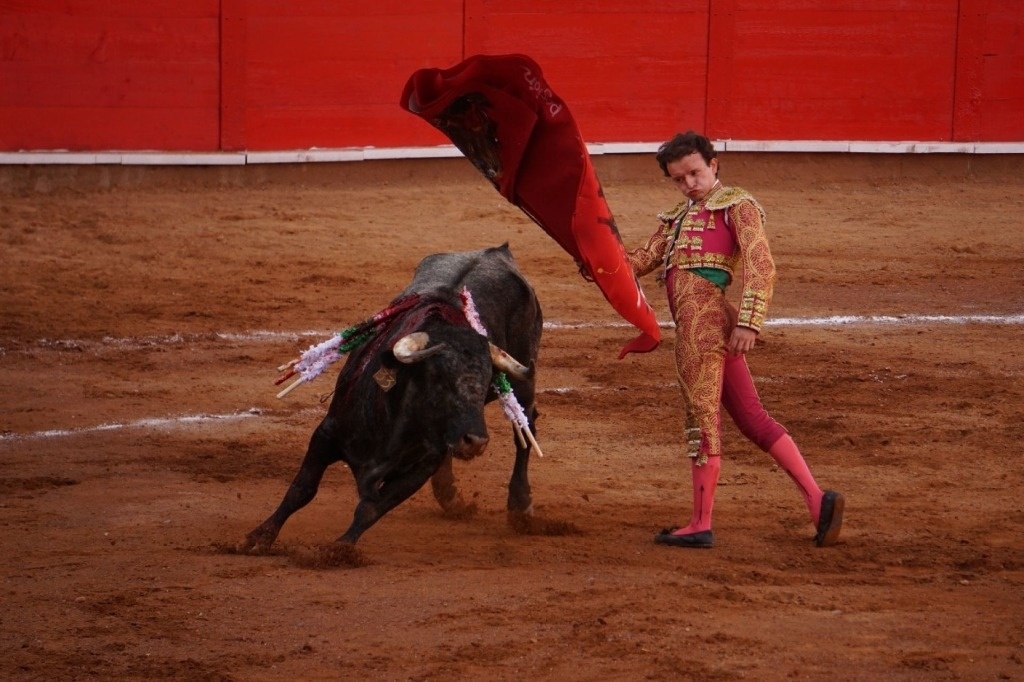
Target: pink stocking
<point>787,455</point>
<point>705,480</point>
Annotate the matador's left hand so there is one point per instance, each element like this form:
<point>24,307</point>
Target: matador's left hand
<point>741,340</point>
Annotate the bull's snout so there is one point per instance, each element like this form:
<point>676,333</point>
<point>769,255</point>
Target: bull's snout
<point>470,445</point>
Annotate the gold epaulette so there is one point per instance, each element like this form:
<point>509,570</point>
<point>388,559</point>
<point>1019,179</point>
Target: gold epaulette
<point>674,212</point>
<point>720,199</point>
<point>728,196</point>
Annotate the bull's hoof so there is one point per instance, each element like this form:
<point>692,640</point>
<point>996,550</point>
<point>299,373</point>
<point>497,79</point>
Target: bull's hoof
<point>458,508</point>
<point>252,549</point>
<point>258,541</point>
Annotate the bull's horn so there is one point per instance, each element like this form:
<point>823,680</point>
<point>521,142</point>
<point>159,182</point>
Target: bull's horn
<point>508,364</point>
<point>413,348</point>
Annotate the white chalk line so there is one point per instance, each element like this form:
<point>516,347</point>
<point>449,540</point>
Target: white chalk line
<point>140,342</point>
<point>164,422</point>
<point>275,336</point>
<point>840,320</point>
<point>151,422</point>
<point>171,422</point>
<point>834,321</point>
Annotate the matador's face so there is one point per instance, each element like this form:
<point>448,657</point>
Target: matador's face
<point>693,175</point>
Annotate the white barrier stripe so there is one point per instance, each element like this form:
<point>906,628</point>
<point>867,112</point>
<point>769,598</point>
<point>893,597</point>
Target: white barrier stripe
<point>330,155</point>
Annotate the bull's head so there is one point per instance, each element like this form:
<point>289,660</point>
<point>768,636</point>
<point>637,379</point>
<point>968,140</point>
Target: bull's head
<point>416,347</point>
<point>455,393</point>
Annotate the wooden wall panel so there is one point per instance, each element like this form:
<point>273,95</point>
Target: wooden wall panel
<point>114,84</point>
<point>235,75</point>
<point>92,75</point>
<point>104,129</point>
<point>329,74</point>
<point>112,8</point>
<point>989,104</point>
<point>234,25</point>
<point>629,71</point>
<point>832,70</point>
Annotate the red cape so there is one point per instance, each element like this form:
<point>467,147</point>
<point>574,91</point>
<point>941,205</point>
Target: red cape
<point>501,114</point>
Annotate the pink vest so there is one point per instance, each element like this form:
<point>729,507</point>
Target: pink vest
<point>706,240</point>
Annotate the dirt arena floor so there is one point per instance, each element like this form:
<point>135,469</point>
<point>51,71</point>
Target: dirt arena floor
<point>144,313</point>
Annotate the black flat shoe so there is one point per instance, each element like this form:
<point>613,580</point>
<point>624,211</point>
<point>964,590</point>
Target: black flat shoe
<point>704,539</point>
<point>830,519</point>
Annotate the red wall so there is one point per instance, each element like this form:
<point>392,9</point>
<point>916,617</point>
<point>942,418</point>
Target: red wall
<point>989,102</point>
<point>89,74</point>
<point>629,71</point>
<point>839,71</point>
<point>207,75</point>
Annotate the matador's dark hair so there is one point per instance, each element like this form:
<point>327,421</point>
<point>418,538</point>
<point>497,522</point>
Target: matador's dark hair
<point>684,144</point>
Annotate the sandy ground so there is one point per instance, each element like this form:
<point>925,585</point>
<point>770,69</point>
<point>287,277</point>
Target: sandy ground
<point>144,312</point>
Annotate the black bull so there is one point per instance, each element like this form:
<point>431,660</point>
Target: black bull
<point>413,397</point>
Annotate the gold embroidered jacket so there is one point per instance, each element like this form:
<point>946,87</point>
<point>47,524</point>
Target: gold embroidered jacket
<point>725,230</point>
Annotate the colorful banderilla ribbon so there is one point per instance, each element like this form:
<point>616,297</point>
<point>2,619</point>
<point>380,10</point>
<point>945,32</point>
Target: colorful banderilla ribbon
<point>317,358</point>
<point>509,404</point>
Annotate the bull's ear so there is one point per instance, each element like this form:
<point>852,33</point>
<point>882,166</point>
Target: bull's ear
<point>414,348</point>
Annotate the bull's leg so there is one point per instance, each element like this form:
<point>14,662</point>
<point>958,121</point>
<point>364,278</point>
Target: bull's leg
<point>446,493</point>
<point>322,452</point>
<point>388,494</point>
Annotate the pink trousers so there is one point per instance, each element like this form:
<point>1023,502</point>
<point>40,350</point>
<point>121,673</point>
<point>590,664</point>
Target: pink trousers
<point>710,378</point>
